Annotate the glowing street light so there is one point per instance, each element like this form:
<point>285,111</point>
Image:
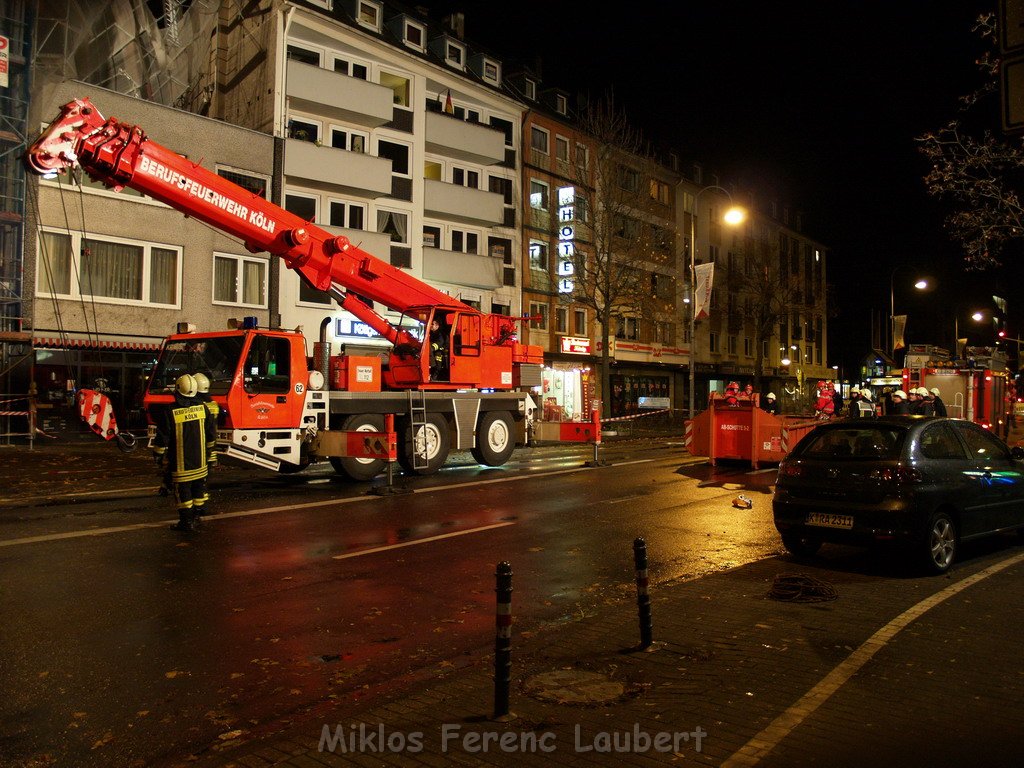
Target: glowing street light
<point>733,216</point>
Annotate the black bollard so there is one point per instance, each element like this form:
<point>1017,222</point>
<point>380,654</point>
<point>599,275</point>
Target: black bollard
<point>643,600</point>
<point>503,640</point>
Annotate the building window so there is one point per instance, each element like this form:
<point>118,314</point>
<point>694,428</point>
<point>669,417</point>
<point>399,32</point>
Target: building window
<point>357,69</point>
<point>562,149</point>
<point>345,138</point>
<point>414,35</point>
<point>659,191</point>
<point>303,206</point>
<point>748,347</point>
<point>455,54</point>
<point>239,280</point>
<point>562,320</point>
<point>465,242</point>
<point>627,329</point>
<point>539,140</point>
<point>346,214</point>
<point>396,224</point>
<point>492,72</point>
<point>713,342</point>
<point>400,88</point>
<point>505,126</point>
<point>302,129</point>
<point>369,15</point>
<point>561,104</point>
<point>256,184</point>
<point>582,157</point>
<point>530,89</point>
<point>538,316</point>
<point>305,55</point>
<point>731,342</point>
<point>538,195</point>
<point>501,248</point>
<point>398,154</point>
<point>431,237</point>
<point>538,256</point>
<point>466,178</point>
<point>579,322</point>
<point>123,271</point>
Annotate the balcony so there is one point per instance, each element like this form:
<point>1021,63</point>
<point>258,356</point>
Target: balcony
<point>375,243</point>
<point>330,94</point>
<point>468,269</point>
<point>457,203</point>
<point>352,172</point>
<point>470,142</point>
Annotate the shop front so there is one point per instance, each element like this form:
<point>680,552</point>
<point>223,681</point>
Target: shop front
<point>117,366</point>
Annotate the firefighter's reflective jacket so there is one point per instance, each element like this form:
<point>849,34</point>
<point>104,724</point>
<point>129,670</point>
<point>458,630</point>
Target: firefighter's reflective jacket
<point>187,431</point>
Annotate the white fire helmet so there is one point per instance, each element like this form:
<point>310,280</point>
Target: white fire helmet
<point>770,395</point>
<point>900,394</point>
<point>202,383</point>
<point>865,393</point>
<point>934,391</point>
<point>186,385</point>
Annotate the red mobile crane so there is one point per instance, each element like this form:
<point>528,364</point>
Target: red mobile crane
<point>279,410</point>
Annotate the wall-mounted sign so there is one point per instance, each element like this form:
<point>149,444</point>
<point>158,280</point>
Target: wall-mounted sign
<point>566,238</point>
<point>344,326</point>
<point>576,345</point>
<point>5,60</point>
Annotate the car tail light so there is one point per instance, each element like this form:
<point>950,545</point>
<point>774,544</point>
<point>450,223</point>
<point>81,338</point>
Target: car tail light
<point>791,470</point>
<point>900,475</point>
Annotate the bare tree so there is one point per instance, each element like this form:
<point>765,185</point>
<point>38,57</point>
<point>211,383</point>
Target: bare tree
<point>624,268</point>
<point>765,291</point>
<point>979,172</point>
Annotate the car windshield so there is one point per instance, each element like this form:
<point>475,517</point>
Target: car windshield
<point>854,442</point>
<point>217,357</point>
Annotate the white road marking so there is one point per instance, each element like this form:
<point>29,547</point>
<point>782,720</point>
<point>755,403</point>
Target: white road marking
<point>289,507</point>
<point>414,542</point>
<point>764,742</point>
<point>763,471</point>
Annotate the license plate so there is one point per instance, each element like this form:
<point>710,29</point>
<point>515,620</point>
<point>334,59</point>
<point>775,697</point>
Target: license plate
<point>829,521</point>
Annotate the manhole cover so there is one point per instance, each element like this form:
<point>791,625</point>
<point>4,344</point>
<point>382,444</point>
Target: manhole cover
<point>569,686</point>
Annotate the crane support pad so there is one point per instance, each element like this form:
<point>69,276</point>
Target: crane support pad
<point>358,445</point>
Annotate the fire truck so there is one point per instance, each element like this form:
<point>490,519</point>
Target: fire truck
<point>974,386</point>
<point>466,386</point>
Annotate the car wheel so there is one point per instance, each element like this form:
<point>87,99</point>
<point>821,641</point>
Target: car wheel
<point>494,440</point>
<point>940,543</point>
<point>801,545</point>
<point>423,451</point>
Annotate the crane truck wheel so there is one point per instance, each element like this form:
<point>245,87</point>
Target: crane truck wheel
<point>353,468</point>
<point>494,439</point>
<point>430,441</point>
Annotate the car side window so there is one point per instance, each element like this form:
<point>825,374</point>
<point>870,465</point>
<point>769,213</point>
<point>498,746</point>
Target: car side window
<point>939,442</point>
<point>981,445</point>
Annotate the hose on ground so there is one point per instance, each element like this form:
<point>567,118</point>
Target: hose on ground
<point>801,588</point>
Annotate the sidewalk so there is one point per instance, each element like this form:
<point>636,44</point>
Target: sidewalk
<point>727,661</point>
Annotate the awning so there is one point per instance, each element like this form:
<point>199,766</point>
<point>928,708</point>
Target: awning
<point>102,341</point>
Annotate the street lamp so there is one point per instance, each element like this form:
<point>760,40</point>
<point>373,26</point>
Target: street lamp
<point>920,284</point>
<point>733,216</point>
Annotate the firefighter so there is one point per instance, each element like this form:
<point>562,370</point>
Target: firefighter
<point>937,404</point>
<point>900,406</point>
<point>438,352</point>
<point>213,410</point>
<point>187,429</point>
<point>770,404</point>
<point>853,404</point>
<point>865,407</point>
<point>732,391</point>
<point>925,402</point>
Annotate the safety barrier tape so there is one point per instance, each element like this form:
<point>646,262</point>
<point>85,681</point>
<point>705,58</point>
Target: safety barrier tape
<point>14,413</point>
<point>13,400</point>
<point>635,416</point>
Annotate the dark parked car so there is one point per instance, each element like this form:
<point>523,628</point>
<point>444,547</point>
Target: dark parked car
<point>929,483</point>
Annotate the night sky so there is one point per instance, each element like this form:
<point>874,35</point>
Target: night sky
<point>821,101</point>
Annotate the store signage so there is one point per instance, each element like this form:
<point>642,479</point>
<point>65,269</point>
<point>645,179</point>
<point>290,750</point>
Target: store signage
<point>5,59</point>
<point>344,326</point>
<point>575,345</point>
<point>566,238</point>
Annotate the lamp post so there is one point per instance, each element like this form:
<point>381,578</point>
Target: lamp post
<point>920,284</point>
<point>733,216</point>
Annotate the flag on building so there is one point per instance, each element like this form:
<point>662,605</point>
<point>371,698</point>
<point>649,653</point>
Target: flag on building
<point>448,103</point>
<point>705,274</point>
<point>899,326</point>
